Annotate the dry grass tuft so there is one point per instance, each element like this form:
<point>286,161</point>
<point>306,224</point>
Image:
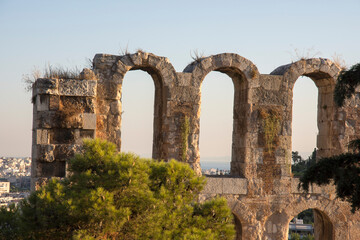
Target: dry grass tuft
<point>197,56</point>
<point>304,54</point>
<point>29,79</point>
<point>57,72</point>
<point>339,61</point>
<point>124,51</point>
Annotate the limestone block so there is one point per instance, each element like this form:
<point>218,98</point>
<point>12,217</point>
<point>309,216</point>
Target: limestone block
<point>46,119</point>
<point>89,121</point>
<point>42,136</point>
<point>185,94</point>
<point>54,102</point>
<point>71,87</point>
<point>184,79</point>
<point>121,68</point>
<point>294,186</point>
<point>136,58</point>
<point>206,64</point>
<point>115,107</point>
<point>324,128</point>
<point>45,152</point>
<point>37,182</point>
<point>62,136</point>
<point>270,82</point>
<point>234,186</point>
<point>42,102</point>
<point>46,86</point>
<point>213,185</point>
<point>323,141</point>
<point>50,169</point>
<point>63,152</point>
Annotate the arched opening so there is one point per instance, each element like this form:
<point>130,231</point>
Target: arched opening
<point>239,92</point>
<point>311,224</point>
<point>137,116</point>
<point>238,228</point>
<point>216,122</point>
<point>304,124</point>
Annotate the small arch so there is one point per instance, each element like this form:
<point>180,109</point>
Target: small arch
<point>163,75</point>
<point>324,73</point>
<point>304,118</point>
<point>216,122</point>
<point>321,227</point>
<point>228,63</point>
<point>238,228</point>
<point>244,75</point>
<point>137,116</point>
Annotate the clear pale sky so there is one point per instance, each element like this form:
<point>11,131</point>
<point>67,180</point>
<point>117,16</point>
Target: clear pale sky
<point>66,33</point>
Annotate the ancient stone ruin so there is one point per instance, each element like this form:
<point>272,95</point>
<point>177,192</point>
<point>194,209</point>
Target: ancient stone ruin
<point>260,190</point>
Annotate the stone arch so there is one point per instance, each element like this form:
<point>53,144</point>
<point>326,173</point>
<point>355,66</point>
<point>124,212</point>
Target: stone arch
<point>245,77</point>
<point>247,223</point>
<point>238,228</point>
<point>323,225</point>
<point>324,74</point>
<point>163,75</point>
<point>331,221</point>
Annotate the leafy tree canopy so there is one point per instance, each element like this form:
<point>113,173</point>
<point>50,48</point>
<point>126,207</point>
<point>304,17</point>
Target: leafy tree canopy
<point>300,165</point>
<point>347,82</point>
<point>343,170</point>
<point>113,195</point>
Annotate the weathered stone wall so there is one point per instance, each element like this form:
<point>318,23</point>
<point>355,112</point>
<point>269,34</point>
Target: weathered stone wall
<point>260,190</point>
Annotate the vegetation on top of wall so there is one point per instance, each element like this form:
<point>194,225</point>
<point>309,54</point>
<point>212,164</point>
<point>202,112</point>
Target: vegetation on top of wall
<point>197,56</point>
<point>271,126</point>
<point>185,130</point>
<point>57,72</point>
<point>303,54</point>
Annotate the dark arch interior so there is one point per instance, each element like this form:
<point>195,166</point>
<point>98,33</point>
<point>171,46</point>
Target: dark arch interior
<point>311,223</point>
<point>238,228</point>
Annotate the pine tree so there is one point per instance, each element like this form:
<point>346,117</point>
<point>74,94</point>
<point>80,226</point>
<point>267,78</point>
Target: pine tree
<point>112,195</point>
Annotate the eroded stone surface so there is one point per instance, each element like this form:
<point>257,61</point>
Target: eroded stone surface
<point>260,191</point>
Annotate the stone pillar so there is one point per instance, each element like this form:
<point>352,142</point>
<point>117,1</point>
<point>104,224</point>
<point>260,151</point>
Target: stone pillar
<point>63,114</point>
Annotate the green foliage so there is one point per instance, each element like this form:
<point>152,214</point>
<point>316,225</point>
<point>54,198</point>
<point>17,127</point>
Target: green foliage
<point>300,165</point>
<point>307,216</point>
<point>294,236</point>
<point>309,237</point>
<point>113,195</point>
<point>343,170</point>
<point>9,223</point>
<point>271,125</point>
<point>347,82</point>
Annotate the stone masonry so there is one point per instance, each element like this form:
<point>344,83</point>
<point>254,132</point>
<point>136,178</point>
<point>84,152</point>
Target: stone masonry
<point>260,190</point>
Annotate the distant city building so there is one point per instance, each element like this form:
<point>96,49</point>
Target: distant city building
<point>213,171</point>
<point>298,226</point>
<point>4,186</point>
<point>15,175</point>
